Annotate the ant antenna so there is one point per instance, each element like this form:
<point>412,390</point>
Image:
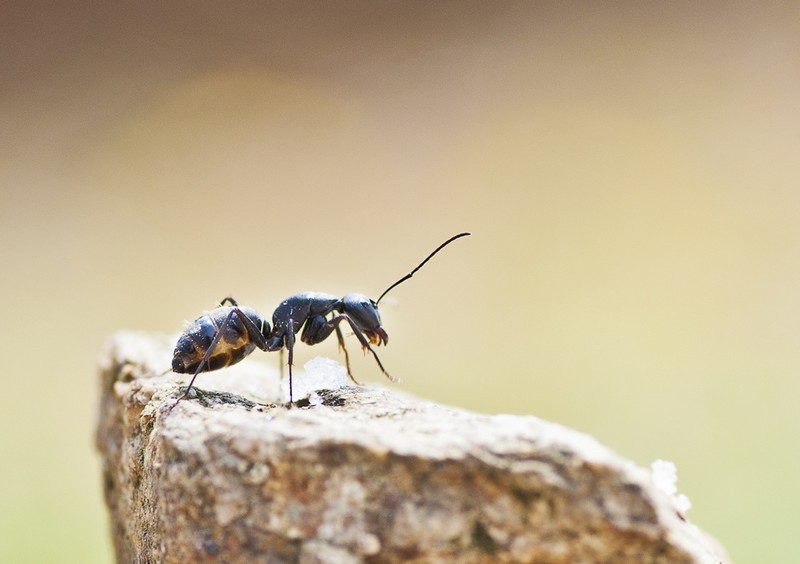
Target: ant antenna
<point>420,265</point>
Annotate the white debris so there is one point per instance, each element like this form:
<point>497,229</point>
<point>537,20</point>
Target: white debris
<point>665,479</point>
<point>319,373</point>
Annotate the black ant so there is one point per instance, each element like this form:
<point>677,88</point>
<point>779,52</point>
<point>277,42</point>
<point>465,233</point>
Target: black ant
<point>227,334</point>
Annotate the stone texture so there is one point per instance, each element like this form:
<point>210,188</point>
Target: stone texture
<point>362,474</point>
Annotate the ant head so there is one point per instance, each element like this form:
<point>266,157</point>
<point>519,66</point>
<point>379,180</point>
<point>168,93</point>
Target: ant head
<point>364,313</point>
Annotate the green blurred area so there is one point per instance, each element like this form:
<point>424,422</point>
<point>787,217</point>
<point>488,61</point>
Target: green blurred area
<point>629,171</point>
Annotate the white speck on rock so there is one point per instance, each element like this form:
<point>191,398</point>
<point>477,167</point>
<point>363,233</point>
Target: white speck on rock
<point>665,478</point>
<point>319,373</point>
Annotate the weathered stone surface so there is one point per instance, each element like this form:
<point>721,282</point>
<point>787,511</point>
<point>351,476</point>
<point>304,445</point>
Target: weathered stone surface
<point>361,475</point>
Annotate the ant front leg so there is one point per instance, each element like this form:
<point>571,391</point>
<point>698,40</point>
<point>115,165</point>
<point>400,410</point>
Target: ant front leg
<point>332,324</point>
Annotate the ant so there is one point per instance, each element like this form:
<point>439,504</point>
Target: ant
<point>230,332</point>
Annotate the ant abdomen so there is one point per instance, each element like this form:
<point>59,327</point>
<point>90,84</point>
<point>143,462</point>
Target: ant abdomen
<point>233,340</point>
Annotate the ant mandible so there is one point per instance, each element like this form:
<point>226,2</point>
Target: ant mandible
<point>230,332</point>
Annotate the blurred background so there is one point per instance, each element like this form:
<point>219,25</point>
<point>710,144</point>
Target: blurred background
<point>629,171</point>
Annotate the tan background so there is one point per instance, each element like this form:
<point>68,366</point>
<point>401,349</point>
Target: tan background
<point>630,173</point>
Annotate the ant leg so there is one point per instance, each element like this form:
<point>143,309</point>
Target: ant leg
<point>253,331</point>
<point>229,300</point>
<point>363,340</point>
<point>340,338</point>
<point>290,346</point>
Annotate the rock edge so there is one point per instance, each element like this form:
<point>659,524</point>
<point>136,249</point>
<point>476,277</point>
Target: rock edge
<point>364,475</point>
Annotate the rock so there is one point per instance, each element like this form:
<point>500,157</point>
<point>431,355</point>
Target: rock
<point>361,474</point>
